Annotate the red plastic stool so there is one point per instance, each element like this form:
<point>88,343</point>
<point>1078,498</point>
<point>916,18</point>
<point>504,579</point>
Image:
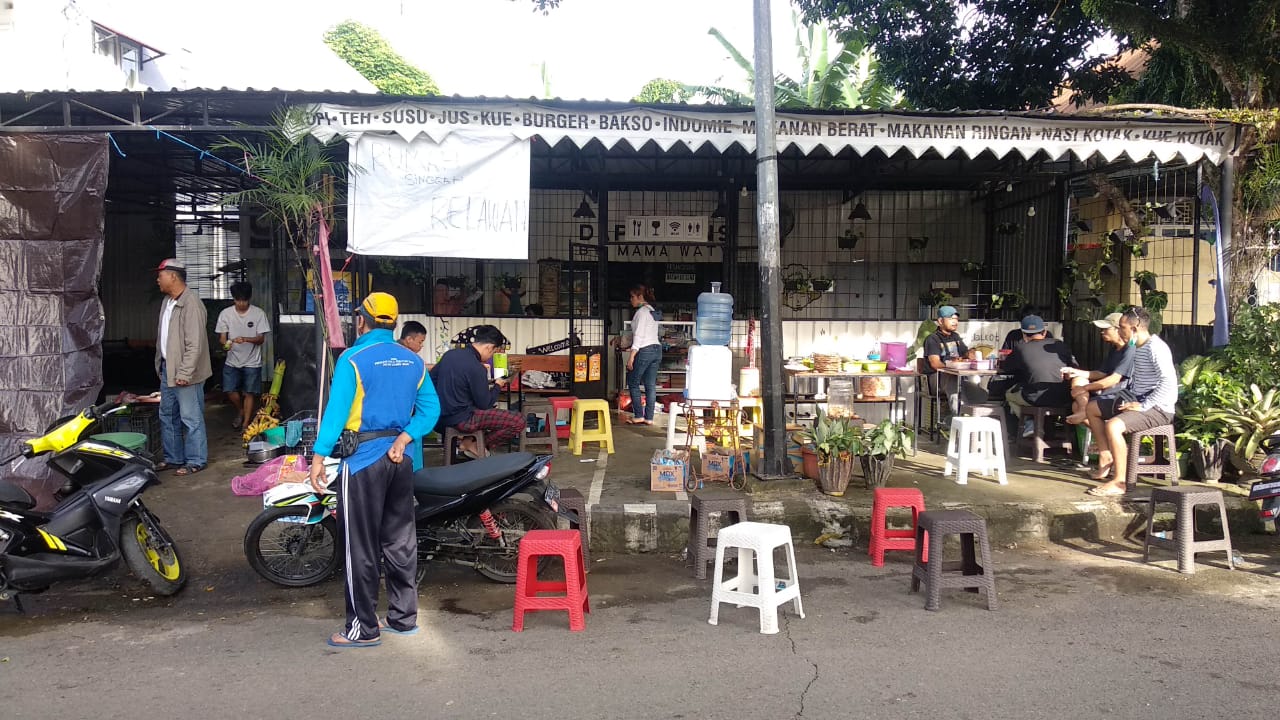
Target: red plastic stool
<point>884,539</point>
<point>558,403</point>
<point>567,544</point>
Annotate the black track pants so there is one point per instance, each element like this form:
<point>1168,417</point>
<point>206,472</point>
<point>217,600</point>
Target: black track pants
<point>376,512</point>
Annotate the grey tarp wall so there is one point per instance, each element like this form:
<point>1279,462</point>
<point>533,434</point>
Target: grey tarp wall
<point>51,320</point>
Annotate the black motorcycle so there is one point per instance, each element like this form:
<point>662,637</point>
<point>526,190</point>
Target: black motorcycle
<point>99,518</point>
<point>471,514</point>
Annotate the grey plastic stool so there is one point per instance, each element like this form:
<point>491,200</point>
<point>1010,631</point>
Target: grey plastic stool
<point>1038,441</point>
<point>452,435</point>
<point>1163,460</point>
<point>701,547</point>
<point>932,527</point>
<point>548,438</point>
<point>1186,498</point>
<point>572,502</point>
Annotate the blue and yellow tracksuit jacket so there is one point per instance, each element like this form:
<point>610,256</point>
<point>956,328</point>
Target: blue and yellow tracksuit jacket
<point>378,384</point>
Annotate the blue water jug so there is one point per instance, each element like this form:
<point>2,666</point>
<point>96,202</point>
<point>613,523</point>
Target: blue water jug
<point>715,317</point>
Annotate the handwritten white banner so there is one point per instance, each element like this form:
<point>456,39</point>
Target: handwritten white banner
<point>466,196</point>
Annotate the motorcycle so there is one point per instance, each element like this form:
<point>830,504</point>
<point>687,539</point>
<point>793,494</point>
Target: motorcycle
<point>471,514</point>
<point>99,518</point>
<point>1267,487</point>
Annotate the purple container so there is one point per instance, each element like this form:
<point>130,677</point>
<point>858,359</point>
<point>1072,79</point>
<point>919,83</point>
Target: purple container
<point>894,353</point>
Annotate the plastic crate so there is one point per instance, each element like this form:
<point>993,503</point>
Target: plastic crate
<point>138,419</point>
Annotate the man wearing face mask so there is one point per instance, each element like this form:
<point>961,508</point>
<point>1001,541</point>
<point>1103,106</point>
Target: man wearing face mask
<point>1147,402</point>
<point>944,344</point>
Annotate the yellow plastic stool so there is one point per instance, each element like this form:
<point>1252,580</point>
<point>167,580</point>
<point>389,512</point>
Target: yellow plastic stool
<point>752,413</point>
<point>579,434</point>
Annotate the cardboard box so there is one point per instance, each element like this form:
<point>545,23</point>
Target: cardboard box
<point>668,470</point>
<point>717,463</point>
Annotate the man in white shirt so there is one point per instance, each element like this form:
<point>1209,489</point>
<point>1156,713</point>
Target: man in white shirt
<point>242,328</point>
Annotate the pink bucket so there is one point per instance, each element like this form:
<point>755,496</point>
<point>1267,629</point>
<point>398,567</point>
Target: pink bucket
<point>894,353</point>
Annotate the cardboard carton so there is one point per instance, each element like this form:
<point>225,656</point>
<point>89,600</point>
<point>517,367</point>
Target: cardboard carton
<point>717,463</point>
<point>668,470</point>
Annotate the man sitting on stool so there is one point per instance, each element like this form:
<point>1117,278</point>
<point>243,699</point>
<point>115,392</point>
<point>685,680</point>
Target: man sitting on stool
<point>1116,369</point>
<point>1036,364</point>
<point>1147,402</point>
<point>467,396</point>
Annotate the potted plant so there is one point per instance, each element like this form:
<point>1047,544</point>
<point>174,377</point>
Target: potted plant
<point>507,293</point>
<point>823,285</point>
<point>1145,280</point>
<point>879,445</point>
<point>1202,388</point>
<point>848,240</point>
<point>971,267</point>
<point>1009,301</point>
<point>1251,422</point>
<point>834,440</point>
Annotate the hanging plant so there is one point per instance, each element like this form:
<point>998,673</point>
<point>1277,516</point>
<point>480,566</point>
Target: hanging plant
<point>1145,280</point>
<point>1156,301</point>
<point>935,298</point>
<point>974,268</point>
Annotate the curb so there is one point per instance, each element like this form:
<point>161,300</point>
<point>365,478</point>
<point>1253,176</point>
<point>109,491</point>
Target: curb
<point>663,526</point>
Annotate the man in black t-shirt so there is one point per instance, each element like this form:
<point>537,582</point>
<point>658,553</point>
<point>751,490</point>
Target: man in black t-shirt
<point>1037,363</point>
<point>1107,380</point>
<point>943,345</point>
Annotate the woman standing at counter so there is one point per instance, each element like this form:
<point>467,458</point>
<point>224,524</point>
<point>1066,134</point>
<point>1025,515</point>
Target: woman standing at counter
<point>645,355</point>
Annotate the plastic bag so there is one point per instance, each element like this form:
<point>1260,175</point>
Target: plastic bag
<point>283,469</point>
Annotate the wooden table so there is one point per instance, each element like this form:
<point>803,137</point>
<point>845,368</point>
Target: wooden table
<point>960,374</point>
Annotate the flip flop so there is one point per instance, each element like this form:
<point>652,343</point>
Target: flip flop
<point>338,640</point>
<point>1101,473</point>
<point>164,467</point>
<point>1099,491</point>
<point>235,424</point>
<point>637,422</point>
<point>384,627</point>
<point>189,470</point>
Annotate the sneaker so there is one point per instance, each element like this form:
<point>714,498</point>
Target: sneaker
<point>1028,427</point>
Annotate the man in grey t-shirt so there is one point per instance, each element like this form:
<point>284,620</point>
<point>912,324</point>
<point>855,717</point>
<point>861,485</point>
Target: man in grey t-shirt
<point>242,328</point>
<point>1146,402</point>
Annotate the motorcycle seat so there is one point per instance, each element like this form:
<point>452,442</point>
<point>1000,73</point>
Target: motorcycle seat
<point>467,477</point>
<point>15,497</point>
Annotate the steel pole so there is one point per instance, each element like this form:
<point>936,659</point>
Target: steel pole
<point>775,463</point>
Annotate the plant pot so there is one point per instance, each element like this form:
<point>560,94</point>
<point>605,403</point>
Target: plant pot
<point>1207,462</point>
<point>876,469</point>
<point>833,477</point>
<point>822,286</point>
<point>501,302</point>
<point>809,463</point>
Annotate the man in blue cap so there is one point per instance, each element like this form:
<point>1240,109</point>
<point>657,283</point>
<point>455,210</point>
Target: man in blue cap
<point>1036,365</point>
<point>943,345</point>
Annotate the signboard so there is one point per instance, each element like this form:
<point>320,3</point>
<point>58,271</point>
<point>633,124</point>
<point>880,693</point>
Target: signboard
<point>626,247</point>
<point>465,196</point>
<point>660,228</point>
<point>970,133</point>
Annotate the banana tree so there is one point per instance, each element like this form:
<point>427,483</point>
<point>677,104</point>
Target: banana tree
<point>849,78</point>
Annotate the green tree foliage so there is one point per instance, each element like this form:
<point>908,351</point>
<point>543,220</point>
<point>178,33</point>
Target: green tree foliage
<point>996,54</point>
<point>662,90</point>
<point>1239,40</point>
<point>851,77</point>
<point>364,49</point>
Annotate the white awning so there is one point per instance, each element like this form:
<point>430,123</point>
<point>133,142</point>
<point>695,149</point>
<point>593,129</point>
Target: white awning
<point>946,133</point>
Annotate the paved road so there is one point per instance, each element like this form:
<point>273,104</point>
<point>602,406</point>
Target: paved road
<point>1078,635</point>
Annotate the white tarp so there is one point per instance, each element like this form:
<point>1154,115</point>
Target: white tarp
<point>971,135</point>
<point>465,195</point>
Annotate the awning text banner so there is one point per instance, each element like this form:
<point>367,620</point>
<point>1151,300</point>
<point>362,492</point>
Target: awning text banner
<point>969,134</point>
<point>463,195</point>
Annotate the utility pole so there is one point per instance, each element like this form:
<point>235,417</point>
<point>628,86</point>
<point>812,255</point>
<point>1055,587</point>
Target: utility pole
<point>770,255</point>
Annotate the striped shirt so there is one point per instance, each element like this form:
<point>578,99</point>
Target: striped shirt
<point>1154,382</point>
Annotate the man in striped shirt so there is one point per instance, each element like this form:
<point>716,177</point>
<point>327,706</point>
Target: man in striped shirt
<point>1148,400</point>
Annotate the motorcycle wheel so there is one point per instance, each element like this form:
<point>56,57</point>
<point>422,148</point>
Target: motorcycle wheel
<point>153,560</point>
<point>515,516</point>
<point>289,552</point>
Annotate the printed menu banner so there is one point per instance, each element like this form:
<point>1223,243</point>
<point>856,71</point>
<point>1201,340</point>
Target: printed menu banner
<point>465,195</point>
<point>970,133</point>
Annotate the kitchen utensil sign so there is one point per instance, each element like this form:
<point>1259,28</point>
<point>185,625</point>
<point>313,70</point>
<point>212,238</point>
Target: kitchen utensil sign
<point>464,196</point>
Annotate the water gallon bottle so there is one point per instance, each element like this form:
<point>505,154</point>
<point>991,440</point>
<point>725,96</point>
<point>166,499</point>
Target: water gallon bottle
<point>715,317</point>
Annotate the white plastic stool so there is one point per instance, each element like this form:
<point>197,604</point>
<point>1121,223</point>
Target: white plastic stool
<point>976,446</point>
<point>757,589</point>
<point>679,410</point>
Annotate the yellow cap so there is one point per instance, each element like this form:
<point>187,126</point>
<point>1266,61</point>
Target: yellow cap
<point>381,306</point>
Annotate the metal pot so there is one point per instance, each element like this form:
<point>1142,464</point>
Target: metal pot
<point>260,452</point>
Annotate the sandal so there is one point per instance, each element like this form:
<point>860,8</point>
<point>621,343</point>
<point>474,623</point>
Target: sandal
<point>164,466</point>
<point>189,470</point>
<point>339,640</point>
<point>1101,473</point>
<point>235,424</point>
<point>1100,491</point>
<point>384,627</point>
<point>633,421</point>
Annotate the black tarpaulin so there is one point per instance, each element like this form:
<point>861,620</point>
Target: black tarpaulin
<point>51,320</point>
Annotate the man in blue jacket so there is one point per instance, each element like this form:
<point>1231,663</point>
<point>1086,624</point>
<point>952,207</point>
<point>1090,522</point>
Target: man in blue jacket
<point>467,396</point>
<point>381,390</point>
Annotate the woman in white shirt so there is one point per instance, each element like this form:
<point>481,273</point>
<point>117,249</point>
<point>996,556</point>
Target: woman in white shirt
<point>644,357</point>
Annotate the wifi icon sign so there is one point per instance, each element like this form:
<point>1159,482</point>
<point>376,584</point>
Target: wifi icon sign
<point>675,227</point>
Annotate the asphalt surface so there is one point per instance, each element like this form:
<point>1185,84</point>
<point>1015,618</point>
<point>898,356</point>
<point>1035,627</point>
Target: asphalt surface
<point>1081,632</point>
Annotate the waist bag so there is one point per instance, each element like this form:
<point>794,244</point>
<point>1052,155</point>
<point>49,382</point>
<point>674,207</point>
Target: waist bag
<point>349,441</point>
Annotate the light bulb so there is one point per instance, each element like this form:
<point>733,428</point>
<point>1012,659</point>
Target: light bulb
<point>1008,187</point>
<point>1031,211</point>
